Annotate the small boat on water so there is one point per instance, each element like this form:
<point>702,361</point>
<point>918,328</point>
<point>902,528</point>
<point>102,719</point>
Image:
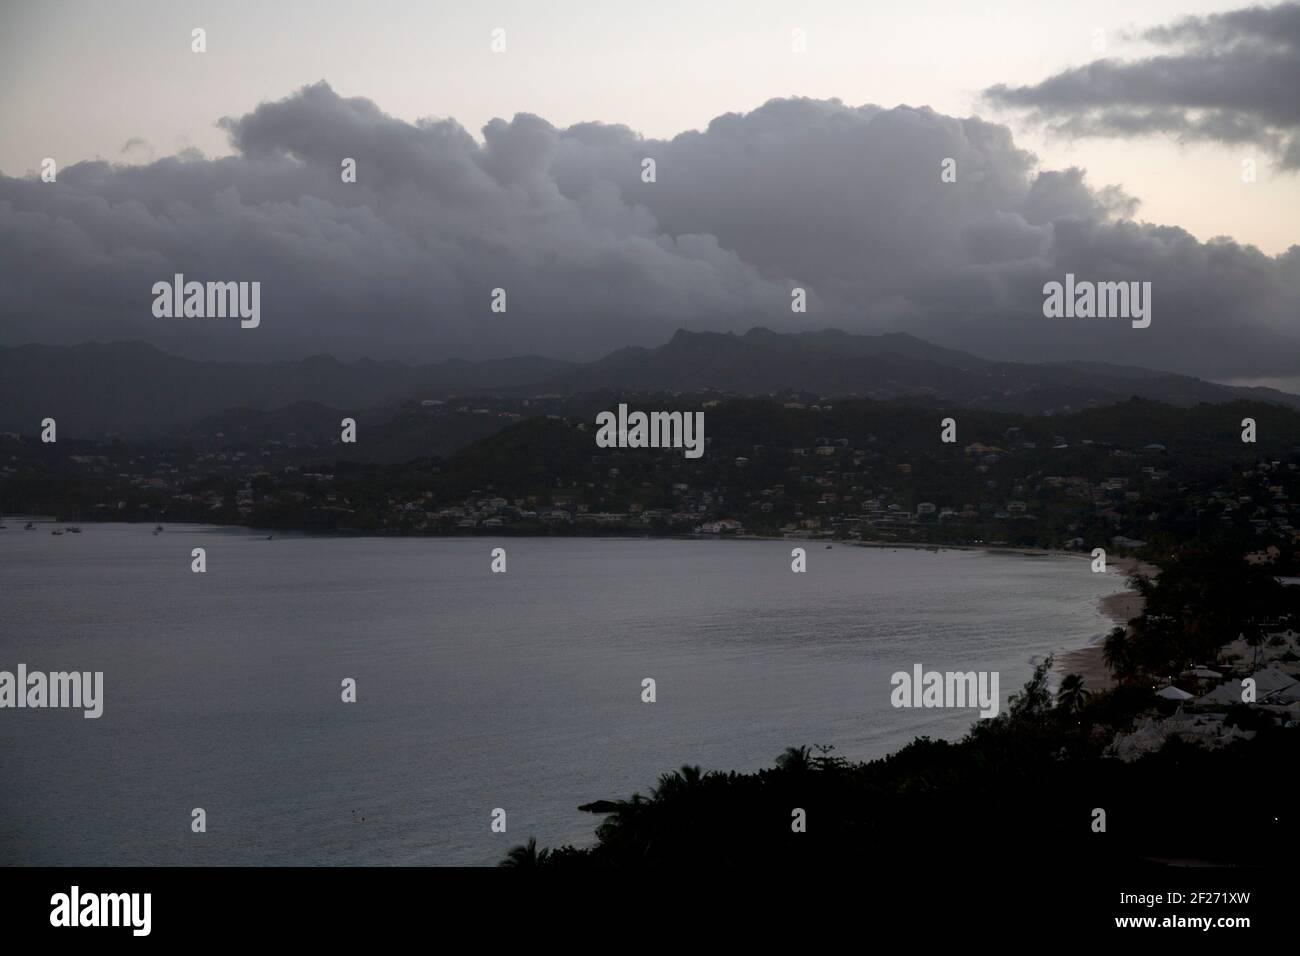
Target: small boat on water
<point>56,531</point>
<point>74,529</point>
<point>158,530</point>
<point>31,526</point>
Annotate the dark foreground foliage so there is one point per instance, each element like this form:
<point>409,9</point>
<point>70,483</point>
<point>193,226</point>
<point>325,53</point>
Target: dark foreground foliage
<point>1020,787</point>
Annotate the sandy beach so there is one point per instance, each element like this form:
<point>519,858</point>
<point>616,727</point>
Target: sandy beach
<point>1121,607</point>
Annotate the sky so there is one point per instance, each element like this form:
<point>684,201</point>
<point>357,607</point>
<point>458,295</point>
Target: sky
<point>119,83</point>
<point>84,79</point>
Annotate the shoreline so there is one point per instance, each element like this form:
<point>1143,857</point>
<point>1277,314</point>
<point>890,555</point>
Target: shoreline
<point>1121,607</point>
<point>1028,551</point>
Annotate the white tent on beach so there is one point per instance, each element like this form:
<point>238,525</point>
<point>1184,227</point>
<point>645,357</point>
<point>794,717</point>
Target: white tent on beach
<point>1225,695</point>
<point>1271,679</point>
<point>1287,695</point>
<point>1173,693</point>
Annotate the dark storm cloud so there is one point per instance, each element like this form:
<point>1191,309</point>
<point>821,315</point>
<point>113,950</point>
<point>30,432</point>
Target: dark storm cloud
<point>1233,79</point>
<point>844,201</point>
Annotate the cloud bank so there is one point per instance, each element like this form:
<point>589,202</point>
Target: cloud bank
<point>846,202</point>
<point>1233,80</point>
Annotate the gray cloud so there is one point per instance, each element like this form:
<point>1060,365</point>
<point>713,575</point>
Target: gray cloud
<point>844,201</point>
<point>1232,80</point>
<point>137,146</point>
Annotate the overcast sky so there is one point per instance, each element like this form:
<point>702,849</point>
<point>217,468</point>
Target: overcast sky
<point>1089,137</point>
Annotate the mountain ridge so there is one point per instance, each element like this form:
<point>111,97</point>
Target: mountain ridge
<point>133,389</point>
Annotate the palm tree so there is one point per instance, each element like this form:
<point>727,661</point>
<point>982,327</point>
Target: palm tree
<point>795,759</point>
<point>526,856</point>
<point>623,818</point>
<point>1254,638</point>
<point>1071,695</point>
<point>1117,652</point>
<point>686,778</point>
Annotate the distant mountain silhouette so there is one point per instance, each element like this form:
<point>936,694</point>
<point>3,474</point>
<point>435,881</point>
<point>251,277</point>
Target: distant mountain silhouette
<point>837,364</point>
<point>134,390</point>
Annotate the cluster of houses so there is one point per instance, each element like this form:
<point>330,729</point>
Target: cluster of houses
<point>833,487</point>
<point>1203,698</point>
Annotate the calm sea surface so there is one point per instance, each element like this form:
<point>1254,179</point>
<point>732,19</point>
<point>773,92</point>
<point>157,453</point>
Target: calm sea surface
<point>475,690</point>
